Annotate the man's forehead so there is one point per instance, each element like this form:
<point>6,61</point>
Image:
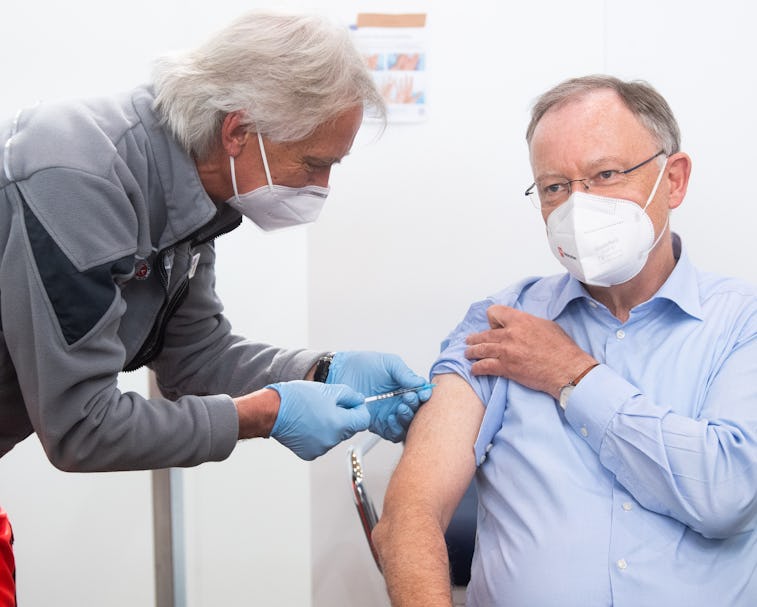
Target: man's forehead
<point>597,107</point>
<point>591,127</point>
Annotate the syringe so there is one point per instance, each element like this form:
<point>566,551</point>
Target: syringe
<point>371,399</point>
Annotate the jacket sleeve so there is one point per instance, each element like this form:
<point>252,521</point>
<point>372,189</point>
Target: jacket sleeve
<point>60,320</point>
<point>202,356</point>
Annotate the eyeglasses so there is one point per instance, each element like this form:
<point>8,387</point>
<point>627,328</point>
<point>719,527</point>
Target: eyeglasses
<point>547,194</point>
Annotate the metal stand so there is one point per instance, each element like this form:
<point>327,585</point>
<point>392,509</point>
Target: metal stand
<point>168,532</point>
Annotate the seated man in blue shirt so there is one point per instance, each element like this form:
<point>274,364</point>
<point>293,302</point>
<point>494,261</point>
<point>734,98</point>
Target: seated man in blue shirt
<point>609,414</point>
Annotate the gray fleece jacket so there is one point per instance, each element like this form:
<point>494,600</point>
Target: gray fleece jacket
<point>107,264</point>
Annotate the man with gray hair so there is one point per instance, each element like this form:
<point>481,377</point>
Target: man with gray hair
<point>608,414</point>
<point>110,210</point>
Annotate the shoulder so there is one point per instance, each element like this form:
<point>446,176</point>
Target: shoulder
<point>532,294</point>
<point>531,290</point>
<point>714,286</point>
<point>527,290</point>
<point>78,135</point>
<point>728,299</point>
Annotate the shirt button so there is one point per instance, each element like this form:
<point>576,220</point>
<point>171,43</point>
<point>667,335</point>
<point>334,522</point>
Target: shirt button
<point>592,304</point>
<point>584,431</point>
<point>481,460</point>
<point>622,564</point>
<point>627,506</point>
<point>488,447</point>
<point>620,334</point>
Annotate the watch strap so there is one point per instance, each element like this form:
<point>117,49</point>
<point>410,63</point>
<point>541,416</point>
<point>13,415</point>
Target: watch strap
<point>321,373</point>
<point>568,388</point>
<point>582,374</point>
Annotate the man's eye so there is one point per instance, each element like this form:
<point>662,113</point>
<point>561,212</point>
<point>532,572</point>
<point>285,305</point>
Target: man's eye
<point>606,176</point>
<point>554,188</point>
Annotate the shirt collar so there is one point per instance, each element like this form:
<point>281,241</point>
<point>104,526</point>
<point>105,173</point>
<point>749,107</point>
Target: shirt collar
<point>681,287</point>
<point>567,290</point>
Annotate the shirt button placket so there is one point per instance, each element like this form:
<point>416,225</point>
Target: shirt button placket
<point>615,345</point>
<point>623,538</point>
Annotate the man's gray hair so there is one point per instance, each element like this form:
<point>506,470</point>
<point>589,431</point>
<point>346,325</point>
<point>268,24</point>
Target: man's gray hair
<point>639,96</point>
<point>287,73</point>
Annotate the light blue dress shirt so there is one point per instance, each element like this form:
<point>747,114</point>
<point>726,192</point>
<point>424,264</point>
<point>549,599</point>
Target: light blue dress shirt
<point>644,492</point>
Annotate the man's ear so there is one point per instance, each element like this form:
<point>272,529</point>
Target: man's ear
<point>678,171</point>
<point>234,133</point>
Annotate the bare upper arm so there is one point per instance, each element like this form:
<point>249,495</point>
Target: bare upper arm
<point>438,462</point>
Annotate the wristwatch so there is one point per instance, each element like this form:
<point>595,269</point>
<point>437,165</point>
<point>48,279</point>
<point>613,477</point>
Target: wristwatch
<point>322,367</point>
<point>565,394</point>
<point>566,390</point>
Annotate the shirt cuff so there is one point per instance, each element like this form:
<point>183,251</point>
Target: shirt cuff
<point>595,401</point>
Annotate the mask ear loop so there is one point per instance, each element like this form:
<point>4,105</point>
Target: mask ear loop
<point>265,166</point>
<point>657,183</point>
<point>265,162</point>
<point>651,196</point>
<point>234,178</point>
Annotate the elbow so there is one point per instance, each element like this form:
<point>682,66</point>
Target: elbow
<point>65,460</point>
<point>388,538</point>
<point>729,518</point>
<point>68,454</point>
<point>725,527</point>
<point>53,446</point>
<point>380,539</point>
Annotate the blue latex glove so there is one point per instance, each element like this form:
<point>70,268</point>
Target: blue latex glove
<point>375,373</point>
<point>313,417</point>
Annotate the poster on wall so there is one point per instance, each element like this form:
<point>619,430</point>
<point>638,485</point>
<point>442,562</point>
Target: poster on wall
<point>394,48</point>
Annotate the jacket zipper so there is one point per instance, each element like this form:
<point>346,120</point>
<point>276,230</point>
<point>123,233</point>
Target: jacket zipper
<point>153,345</point>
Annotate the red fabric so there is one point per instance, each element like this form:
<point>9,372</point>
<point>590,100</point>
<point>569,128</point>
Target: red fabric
<point>7,563</point>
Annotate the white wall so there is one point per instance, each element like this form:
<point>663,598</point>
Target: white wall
<point>420,223</point>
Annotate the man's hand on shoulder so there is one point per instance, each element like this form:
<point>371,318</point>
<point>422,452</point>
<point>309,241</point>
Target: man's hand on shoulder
<point>532,351</point>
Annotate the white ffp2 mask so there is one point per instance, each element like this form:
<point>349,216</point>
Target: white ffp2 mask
<point>273,207</point>
<point>602,241</point>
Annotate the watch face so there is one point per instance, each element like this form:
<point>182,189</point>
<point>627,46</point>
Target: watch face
<point>565,394</point>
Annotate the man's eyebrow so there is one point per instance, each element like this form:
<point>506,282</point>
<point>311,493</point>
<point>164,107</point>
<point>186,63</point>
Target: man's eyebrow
<point>324,160</point>
<point>606,161</point>
<point>603,163</point>
<point>544,176</point>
